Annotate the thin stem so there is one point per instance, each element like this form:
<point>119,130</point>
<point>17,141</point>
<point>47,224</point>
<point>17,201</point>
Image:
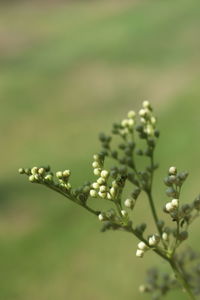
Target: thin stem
<point>181,279</point>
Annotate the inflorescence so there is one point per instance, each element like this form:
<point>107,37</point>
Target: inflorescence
<point>137,137</point>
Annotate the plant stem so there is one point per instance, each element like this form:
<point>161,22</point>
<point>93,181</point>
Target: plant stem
<point>181,279</point>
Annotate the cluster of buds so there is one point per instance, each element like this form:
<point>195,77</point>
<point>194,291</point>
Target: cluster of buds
<point>38,174</point>
<point>110,215</point>
<point>141,249</point>
<point>174,180</point>
<point>63,177</point>
<point>154,240</point>
<point>147,119</point>
<point>172,206</point>
<point>128,123</point>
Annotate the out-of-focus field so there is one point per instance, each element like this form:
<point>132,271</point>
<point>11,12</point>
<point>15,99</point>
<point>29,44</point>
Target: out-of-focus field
<point>67,71</point>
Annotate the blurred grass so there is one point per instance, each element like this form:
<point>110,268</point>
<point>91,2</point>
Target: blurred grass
<point>67,71</point>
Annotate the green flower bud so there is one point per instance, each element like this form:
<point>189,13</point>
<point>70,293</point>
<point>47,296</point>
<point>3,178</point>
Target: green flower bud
<point>21,171</point>
<point>59,174</point>
<point>66,173</point>
<point>183,235</point>
<point>32,178</point>
<point>34,170</point>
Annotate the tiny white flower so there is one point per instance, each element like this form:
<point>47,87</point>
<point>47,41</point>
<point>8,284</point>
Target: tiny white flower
<point>59,174</point>
<point>175,203</point>
<point>95,164</point>
<point>139,253</point>
<point>124,213</point>
<point>142,246</point>
<point>103,188</point>
<point>131,122</point>
<point>104,174</point>
<point>102,195</point>
<point>108,195</point>
<point>154,240</point>
<point>96,157</point>
<point>129,203</point>
<point>101,217</point>
<point>97,171</point>
<point>66,173</point>
<point>113,191</point>
<point>146,104</point>
<point>142,112</point>
<point>153,120</point>
<point>169,207</point>
<point>124,123</point>
<point>34,170</point>
<point>100,180</point>
<point>95,185</point>
<point>131,114</point>
<point>165,236</point>
<point>93,193</point>
<point>172,170</point>
<point>114,184</point>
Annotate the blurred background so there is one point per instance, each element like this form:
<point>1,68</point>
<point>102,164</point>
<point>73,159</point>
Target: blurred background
<point>68,70</point>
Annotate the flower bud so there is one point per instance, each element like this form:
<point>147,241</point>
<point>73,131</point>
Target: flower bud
<point>130,203</point>
<point>102,195</point>
<point>34,170</point>
<point>66,173</point>
<point>124,213</point>
<point>131,114</point>
<point>165,236</point>
<point>95,164</point>
<point>96,157</point>
<point>154,240</point>
<point>95,185</point>
<point>139,253</point>
<point>59,174</point>
<point>104,174</point>
<point>48,177</point>
<point>146,104</point>
<point>101,217</point>
<point>169,207</point>
<point>97,171</point>
<point>103,188</point>
<point>100,180</point>
<point>142,246</point>
<point>41,171</point>
<point>172,171</point>
<point>21,171</point>
<point>93,193</point>
<point>183,235</point>
<point>32,178</point>
<point>175,203</point>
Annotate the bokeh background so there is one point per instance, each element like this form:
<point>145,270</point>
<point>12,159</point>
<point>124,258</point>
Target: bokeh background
<point>67,71</point>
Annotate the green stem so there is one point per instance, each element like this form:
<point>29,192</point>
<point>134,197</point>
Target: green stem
<point>182,280</point>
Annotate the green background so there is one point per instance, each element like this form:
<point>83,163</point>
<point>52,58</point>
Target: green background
<point>68,70</point>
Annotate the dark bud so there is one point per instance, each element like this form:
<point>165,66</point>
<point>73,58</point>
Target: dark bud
<point>186,209</point>
<point>183,175</point>
<point>114,154</point>
<point>142,135</point>
<point>157,133</point>
<point>183,235</point>
<point>167,181</point>
<point>27,171</point>
<point>139,128</point>
<point>151,142</point>
<point>160,223</point>
<point>136,193</point>
<point>141,228</point>
<point>128,152</point>
<point>102,137</point>
<point>197,203</point>
<point>172,179</point>
<point>170,192</point>
<point>148,152</point>
<point>122,160</point>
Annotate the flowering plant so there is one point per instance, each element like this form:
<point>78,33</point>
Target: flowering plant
<point>138,137</point>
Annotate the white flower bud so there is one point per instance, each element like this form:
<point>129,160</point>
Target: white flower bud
<point>101,217</point>
<point>153,120</point>
<point>93,193</point>
<point>154,240</point>
<point>131,122</point>
<point>104,174</point>
<point>124,213</point>
<point>95,164</point>
<point>59,174</point>
<point>113,191</point>
<point>142,112</point>
<point>131,114</point>
<point>149,130</point>
<point>108,195</point>
<point>142,246</point>
<point>41,171</point>
<point>96,157</point>
<point>95,185</point>
<point>143,120</point>
<point>169,207</point>
<point>48,177</point>
<point>97,171</point>
<point>142,288</point>
<point>102,195</point>
<point>165,236</point>
<point>114,184</point>
<point>31,178</point>
<point>103,188</point>
<point>68,186</point>
<point>129,203</point>
<point>139,253</point>
<point>175,203</point>
<point>100,180</point>
<point>34,170</point>
<point>146,104</point>
<point>172,171</point>
<point>66,173</point>
<point>124,123</point>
